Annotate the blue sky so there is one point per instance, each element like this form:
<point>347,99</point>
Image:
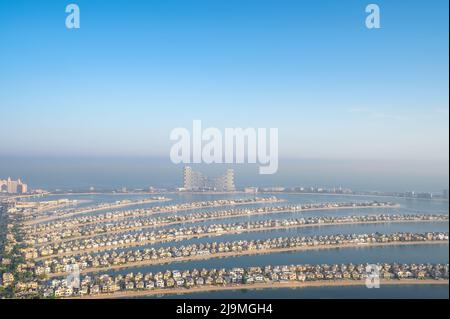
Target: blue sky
<point>137,69</point>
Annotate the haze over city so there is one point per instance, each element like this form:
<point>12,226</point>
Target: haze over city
<point>228,149</point>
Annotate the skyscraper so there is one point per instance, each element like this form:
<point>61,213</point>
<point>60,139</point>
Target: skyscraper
<point>225,183</point>
<point>194,180</point>
<point>12,186</point>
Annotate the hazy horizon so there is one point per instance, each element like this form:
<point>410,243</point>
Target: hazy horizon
<point>139,172</point>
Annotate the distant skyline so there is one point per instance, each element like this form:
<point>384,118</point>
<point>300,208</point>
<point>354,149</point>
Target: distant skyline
<point>142,172</point>
<point>135,70</point>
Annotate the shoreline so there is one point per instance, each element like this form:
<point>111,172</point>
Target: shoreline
<point>164,261</point>
<point>230,193</point>
<point>292,285</point>
<point>232,232</point>
<point>95,209</point>
<point>34,222</point>
<point>227,216</point>
<point>359,195</point>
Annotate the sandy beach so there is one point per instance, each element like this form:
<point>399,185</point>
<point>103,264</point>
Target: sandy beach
<point>239,231</point>
<point>224,217</point>
<point>274,285</point>
<point>95,209</point>
<point>247,253</point>
<point>51,218</point>
<point>43,209</point>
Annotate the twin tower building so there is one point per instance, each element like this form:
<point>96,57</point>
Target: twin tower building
<point>13,187</point>
<point>196,181</point>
